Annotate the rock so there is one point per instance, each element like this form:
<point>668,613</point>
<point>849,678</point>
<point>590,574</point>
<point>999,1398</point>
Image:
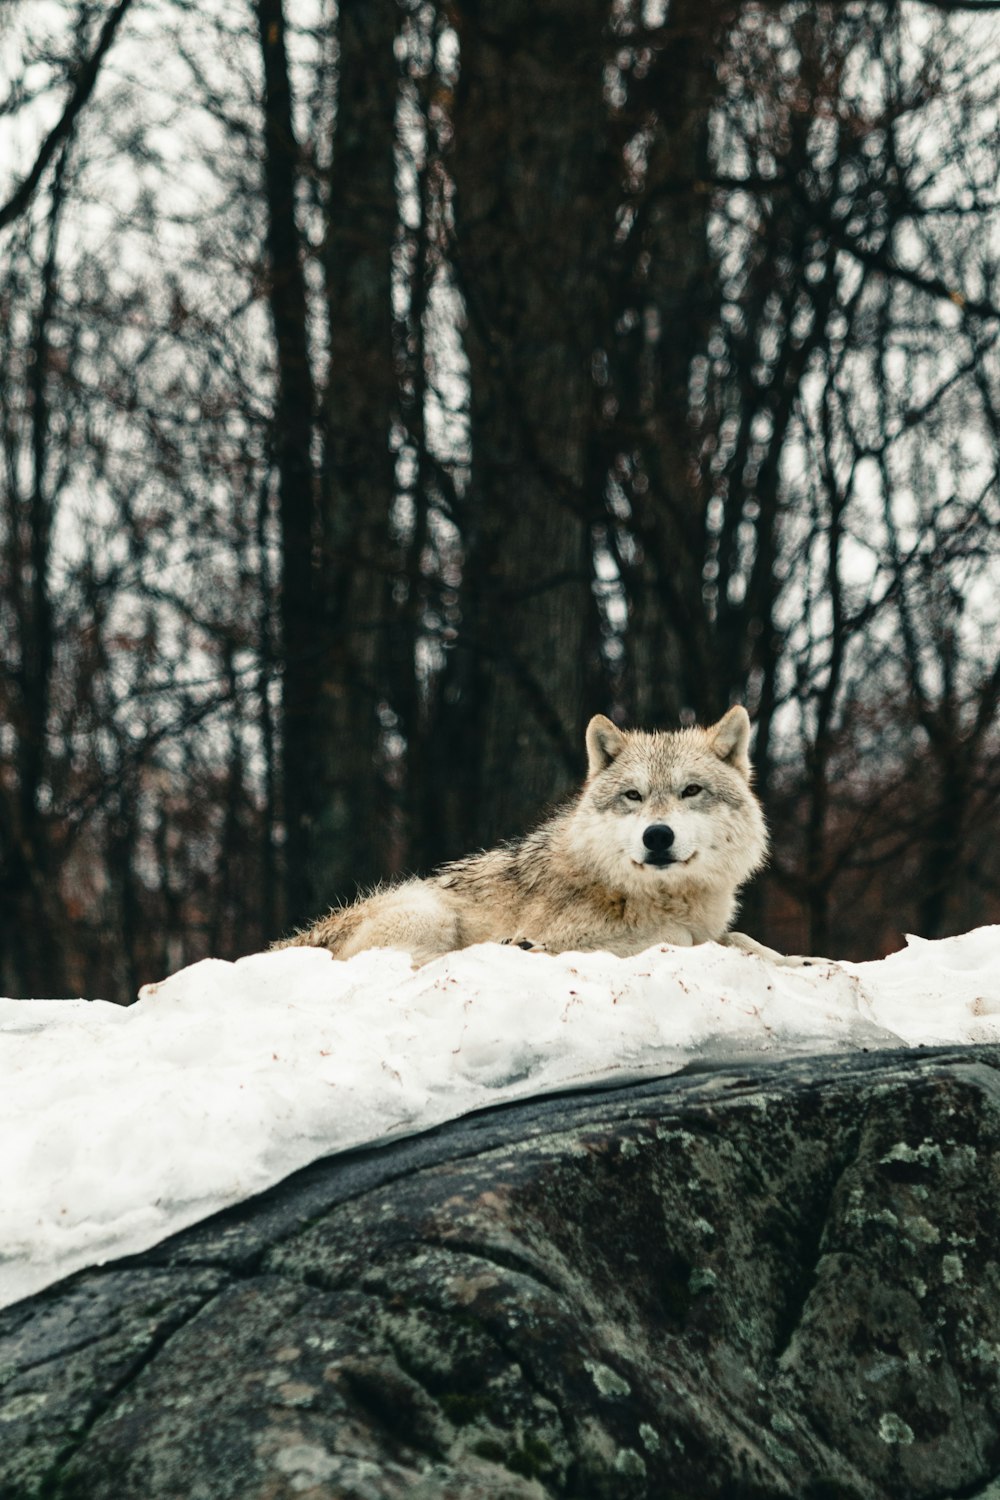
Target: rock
<point>756,1281</point>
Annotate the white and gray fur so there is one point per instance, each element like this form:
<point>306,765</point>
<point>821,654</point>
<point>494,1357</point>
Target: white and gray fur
<point>653,849</point>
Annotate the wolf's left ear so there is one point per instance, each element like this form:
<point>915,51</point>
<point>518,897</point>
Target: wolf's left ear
<point>730,739</point>
<point>604,744</point>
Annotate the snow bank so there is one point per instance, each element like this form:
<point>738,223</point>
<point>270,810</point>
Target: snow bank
<point>121,1126</point>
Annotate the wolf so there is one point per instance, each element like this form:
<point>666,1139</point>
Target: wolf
<point>652,849</point>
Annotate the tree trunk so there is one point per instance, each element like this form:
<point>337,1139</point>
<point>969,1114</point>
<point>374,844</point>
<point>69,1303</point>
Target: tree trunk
<point>293,426</point>
<point>945,836</point>
<point>535,190</point>
<point>34,939</point>
<point>361,403</point>
<point>672,661</point>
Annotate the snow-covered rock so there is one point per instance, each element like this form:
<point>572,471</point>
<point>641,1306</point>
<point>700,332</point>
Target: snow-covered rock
<point>121,1126</point>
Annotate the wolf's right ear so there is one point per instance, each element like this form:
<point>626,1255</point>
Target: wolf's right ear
<point>604,744</point>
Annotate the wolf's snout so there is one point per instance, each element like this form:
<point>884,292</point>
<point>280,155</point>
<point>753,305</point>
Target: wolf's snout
<point>658,839</point>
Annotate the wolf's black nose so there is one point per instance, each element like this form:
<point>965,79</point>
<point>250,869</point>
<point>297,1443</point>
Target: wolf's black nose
<point>658,837</point>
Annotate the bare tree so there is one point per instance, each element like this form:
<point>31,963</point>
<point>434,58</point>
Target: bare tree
<point>382,393</point>
<point>82,69</point>
<point>535,185</point>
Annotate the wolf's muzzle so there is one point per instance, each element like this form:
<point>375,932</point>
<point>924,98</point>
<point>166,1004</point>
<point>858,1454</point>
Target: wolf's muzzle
<point>658,838</point>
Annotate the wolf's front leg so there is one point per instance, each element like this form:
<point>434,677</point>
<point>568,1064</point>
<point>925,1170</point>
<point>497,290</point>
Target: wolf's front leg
<point>787,960</point>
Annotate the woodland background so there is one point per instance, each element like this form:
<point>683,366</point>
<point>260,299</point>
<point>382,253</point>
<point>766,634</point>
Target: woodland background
<point>387,387</point>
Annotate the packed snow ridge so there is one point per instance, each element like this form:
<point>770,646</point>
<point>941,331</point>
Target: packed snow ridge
<point>121,1126</point>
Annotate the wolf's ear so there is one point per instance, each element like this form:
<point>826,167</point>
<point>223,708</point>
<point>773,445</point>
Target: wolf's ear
<point>730,739</point>
<point>604,744</point>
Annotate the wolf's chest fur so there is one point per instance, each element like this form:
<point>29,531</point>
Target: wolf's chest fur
<point>521,891</point>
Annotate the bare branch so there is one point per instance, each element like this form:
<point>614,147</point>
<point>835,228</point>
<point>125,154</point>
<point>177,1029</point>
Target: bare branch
<point>935,286</point>
<point>83,86</point>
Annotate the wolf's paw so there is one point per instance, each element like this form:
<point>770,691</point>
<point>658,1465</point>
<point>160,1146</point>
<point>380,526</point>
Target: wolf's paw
<point>802,961</point>
<point>527,944</point>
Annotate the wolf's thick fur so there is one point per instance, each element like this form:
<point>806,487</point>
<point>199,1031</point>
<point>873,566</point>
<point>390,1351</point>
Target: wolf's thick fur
<point>652,850</point>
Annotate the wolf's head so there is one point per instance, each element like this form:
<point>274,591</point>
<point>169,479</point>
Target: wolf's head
<point>674,806</point>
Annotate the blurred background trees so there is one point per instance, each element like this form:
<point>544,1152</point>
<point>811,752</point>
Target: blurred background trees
<point>387,387</point>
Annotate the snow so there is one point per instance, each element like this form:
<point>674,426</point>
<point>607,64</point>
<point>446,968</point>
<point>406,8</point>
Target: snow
<point>120,1126</point>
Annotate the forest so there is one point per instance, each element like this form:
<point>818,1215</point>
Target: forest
<point>388,386</point>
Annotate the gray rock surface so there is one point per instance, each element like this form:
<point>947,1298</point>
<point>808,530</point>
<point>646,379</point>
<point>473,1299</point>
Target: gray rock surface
<point>758,1281</point>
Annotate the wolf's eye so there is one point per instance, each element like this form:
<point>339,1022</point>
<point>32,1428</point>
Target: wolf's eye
<point>633,795</point>
<point>691,790</point>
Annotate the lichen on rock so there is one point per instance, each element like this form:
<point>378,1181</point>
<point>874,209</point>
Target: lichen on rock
<point>649,1293</point>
